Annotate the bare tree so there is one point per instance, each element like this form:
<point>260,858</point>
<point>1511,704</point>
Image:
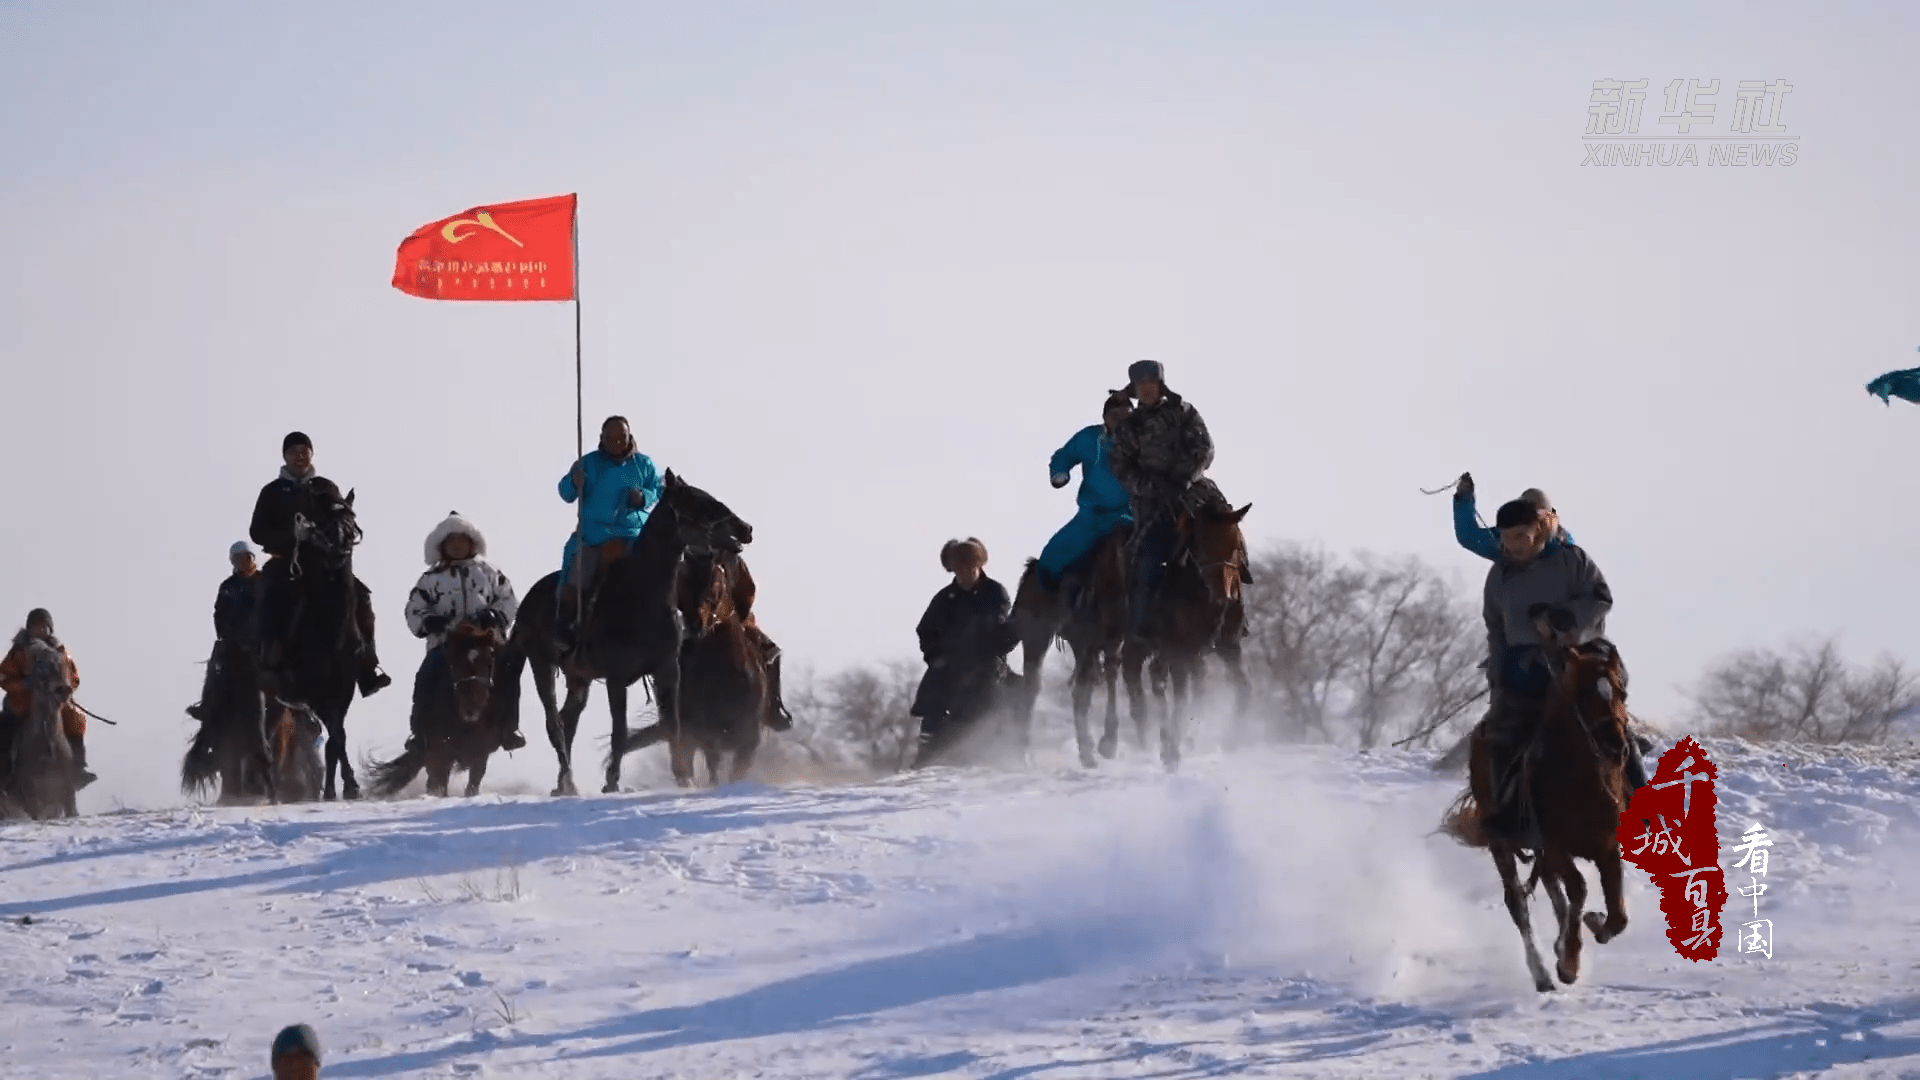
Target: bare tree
<point>1806,692</point>
<point>865,708</point>
<point>1300,622</point>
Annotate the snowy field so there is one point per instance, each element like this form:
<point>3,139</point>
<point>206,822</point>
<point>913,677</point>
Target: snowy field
<point>1284,913</point>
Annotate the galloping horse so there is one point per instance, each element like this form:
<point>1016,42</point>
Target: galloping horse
<point>724,686</point>
<point>230,748</point>
<point>633,630</point>
<point>461,722</point>
<point>1198,609</point>
<point>278,760</point>
<point>1095,631</point>
<point>1573,789</point>
<point>39,781</point>
<point>321,636</point>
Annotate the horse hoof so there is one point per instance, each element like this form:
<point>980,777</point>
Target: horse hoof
<point>1109,746</point>
<point>1565,975</point>
<point>1087,760</point>
<point>610,788</point>
<point>328,797</point>
<point>350,792</point>
<point>1545,987</point>
<point>1597,926</point>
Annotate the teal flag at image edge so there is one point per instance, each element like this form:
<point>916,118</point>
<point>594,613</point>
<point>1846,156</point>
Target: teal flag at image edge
<point>1904,385</point>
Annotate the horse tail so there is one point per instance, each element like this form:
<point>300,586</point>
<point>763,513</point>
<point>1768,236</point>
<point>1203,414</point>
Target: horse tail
<point>392,777</point>
<point>1463,821</point>
<point>200,768</point>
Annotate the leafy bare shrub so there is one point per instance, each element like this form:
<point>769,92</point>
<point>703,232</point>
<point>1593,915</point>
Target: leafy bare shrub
<point>1807,692</point>
<point>1367,646</point>
<point>859,713</point>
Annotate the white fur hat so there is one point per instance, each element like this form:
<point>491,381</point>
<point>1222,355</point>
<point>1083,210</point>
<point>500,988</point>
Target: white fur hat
<point>455,525</point>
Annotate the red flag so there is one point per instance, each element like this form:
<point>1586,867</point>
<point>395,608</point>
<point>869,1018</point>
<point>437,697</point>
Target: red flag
<point>509,251</point>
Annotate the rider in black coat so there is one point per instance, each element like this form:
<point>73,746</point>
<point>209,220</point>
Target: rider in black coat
<point>273,530</point>
<point>965,637</point>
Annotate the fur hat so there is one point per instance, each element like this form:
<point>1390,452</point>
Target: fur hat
<point>298,1037</point>
<point>1517,512</point>
<point>455,525</point>
<point>952,548</point>
<point>293,439</point>
<point>41,615</point>
<point>239,548</point>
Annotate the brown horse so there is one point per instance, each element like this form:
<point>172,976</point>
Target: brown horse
<point>1573,788</point>
<point>1094,630</point>
<point>39,778</point>
<point>464,717</point>
<point>724,687</point>
<point>251,761</point>
<point>1198,610</point>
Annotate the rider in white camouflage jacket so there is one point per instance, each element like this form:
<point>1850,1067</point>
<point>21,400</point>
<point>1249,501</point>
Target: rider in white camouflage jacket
<point>461,587</point>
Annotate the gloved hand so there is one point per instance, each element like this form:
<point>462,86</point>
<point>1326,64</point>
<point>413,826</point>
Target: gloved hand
<point>434,624</point>
<point>636,498</point>
<point>1463,487</point>
<point>1557,617</point>
<point>1060,479</point>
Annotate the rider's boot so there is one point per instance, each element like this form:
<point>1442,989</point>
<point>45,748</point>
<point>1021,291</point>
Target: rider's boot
<point>566,620</point>
<point>82,776</point>
<point>372,680</point>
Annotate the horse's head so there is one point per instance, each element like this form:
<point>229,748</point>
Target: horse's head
<point>711,591</point>
<point>470,663</point>
<point>324,522</point>
<point>706,524</point>
<point>1591,679</point>
<point>47,676</point>
<point>1219,550</point>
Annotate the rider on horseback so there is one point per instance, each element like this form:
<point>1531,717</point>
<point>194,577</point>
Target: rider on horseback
<point>622,488</point>
<point>1104,504</point>
<point>1540,576</point>
<point>273,529</point>
<point>15,671</point>
<point>1484,541</point>
<point>461,587</point>
<point>232,616</point>
<point>1160,453</point>
<point>965,636</point>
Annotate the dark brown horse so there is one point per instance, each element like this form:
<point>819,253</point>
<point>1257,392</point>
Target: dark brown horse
<point>1095,629</point>
<point>317,608</point>
<point>633,630</point>
<point>250,761</point>
<point>1573,788</point>
<point>230,748</point>
<point>38,781</point>
<point>467,712</point>
<point>724,685</point>
<point>1198,610</point>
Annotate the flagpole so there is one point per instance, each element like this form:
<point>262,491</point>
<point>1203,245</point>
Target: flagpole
<point>579,438</point>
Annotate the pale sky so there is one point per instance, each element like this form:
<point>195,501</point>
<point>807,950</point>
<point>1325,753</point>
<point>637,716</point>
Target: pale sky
<point>858,269</point>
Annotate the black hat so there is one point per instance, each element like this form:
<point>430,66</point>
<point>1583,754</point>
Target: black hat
<point>1145,369</point>
<point>1117,399</point>
<point>293,439</point>
<point>41,615</point>
<point>1517,512</point>
<point>297,1037</point>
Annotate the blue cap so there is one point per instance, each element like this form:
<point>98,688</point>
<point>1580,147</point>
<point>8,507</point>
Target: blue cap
<point>239,548</point>
<point>297,1037</point>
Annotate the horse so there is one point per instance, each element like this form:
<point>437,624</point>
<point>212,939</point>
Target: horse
<point>40,780</point>
<point>632,629</point>
<point>230,748</point>
<point>1197,610</point>
<point>1094,631</point>
<point>321,636</point>
<point>725,690</point>
<point>461,722</point>
<point>1573,789</point>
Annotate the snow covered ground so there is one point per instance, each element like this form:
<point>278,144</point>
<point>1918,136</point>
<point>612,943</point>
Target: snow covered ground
<point>1282,913</point>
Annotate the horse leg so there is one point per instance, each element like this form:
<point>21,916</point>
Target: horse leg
<point>1085,663</point>
<point>1132,659</point>
<point>475,773</point>
<point>439,771</point>
<point>563,729</point>
<point>1616,920</point>
<point>1173,723</point>
<point>666,698</point>
<point>1110,730</point>
<point>1157,672</point>
<point>680,755</point>
<point>617,707</point>
<point>1569,947</point>
<point>1242,687</point>
<point>712,754</point>
<point>1548,870</point>
<point>1517,908</point>
<point>337,705</point>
